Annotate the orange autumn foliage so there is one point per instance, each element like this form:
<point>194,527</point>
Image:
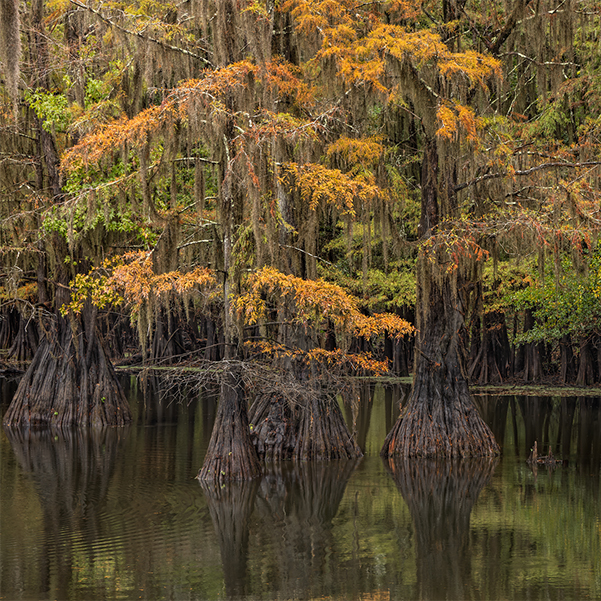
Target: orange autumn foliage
<point>337,360</point>
<point>130,280</point>
<point>314,302</point>
<point>318,184</point>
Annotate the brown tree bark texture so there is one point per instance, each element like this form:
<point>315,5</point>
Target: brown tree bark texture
<point>441,419</point>
<point>70,382</point>
<point>231,454</point>
<point>313,429</point>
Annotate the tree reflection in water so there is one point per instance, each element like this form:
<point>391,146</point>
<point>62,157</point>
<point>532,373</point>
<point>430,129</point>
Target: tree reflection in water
<point>71,469</point>
<point>294,505</point>
<point>440,495</point>
<point>231,505</point>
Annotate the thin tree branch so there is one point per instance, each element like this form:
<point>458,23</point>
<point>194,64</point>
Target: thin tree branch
<point>139,34</point>
<point>510,25</point>
<point>305,252</point>
<point>552,165</point>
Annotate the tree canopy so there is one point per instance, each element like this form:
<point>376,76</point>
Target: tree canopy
<point>227,179</point>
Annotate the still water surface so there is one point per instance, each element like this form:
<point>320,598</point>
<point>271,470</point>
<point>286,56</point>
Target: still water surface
<point>118,514</point>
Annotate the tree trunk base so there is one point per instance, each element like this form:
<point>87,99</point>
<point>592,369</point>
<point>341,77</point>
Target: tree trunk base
<point>440,422</point>
<point>69,382</point>
<point>315,430</point>
<point>231,454</point>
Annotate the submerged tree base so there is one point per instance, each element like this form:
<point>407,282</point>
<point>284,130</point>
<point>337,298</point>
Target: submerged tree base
<point>70,382</point>
<point>313,428</point>
<point>440,423</point>
<point>231,454</point>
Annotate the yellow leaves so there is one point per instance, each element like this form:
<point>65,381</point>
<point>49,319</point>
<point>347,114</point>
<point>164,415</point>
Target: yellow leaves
<point>148,123</point>
<point>314,15</point>
<point>108,138</point>
<point>426,46</point>
<point>378,323</point>
<point>284,79</point>
<point>360,52</point>
<point>284,125</point>
<point>448,122</point>
<point>207,94</point>
<point>313,302</point>
<point>404,9</point>
<point>478,68</point>
<point>130,279</point>
<point>213,83</point>
<point>318,184</point>
<point>357,152</point>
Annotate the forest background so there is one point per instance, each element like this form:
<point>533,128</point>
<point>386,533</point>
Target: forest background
<point>323,188</point>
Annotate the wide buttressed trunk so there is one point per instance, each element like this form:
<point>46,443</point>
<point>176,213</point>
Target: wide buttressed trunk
<point>309,429</point>
<point>70,381</point>
<point>440,419</point>
<point>231,454</point>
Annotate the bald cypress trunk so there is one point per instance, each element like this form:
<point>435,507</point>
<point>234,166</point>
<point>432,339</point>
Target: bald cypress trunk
<point>70,381</point>
<point>309,429</point>
<point>441,419</point>
<point>231,454</point>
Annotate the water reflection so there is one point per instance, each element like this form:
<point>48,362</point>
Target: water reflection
<point>118,514</point>
<point>230,506</point>
<point>569,425</point>
<point>440,495</point>
<point>71,469</point>
<point>295,508</point>
<point>288,514</point>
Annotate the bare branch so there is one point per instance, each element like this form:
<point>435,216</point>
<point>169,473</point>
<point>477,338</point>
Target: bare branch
<point>552,165</point>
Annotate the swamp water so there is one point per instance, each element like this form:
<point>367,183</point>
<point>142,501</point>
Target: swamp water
<point>117,514</point>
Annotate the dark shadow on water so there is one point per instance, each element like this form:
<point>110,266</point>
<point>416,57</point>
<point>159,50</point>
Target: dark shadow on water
<point>71,470</point>
<point>440,495</point>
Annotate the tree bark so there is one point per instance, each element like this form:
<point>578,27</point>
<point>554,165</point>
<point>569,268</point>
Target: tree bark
<point>491,363</point>
<point>70,381</point>
<point>441,418</point>
<point>585,374</point>
<point>533,368</point>
<point>231,454</point>
<point>313,429</point>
